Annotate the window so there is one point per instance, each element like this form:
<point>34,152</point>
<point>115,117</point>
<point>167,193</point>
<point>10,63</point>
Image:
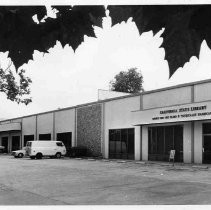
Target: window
<point>28,138</point>
<point>162,139</point>
<point>206,132</point>
<point>206,128</point>
<point>59,144</point>
<point>121,143</point>
<point>45,136</point>
<point>15,143</point>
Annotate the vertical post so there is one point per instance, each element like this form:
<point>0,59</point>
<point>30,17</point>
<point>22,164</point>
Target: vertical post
<point>138,143</point>
<point>21,136</point>
<point>54,116</point>
<point>144,143</point>
<point>198,142</point>
<point>36,132</point>
<point>74,143</point>
<point>187,140</point>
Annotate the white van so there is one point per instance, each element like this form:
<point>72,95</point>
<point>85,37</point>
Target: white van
<point>38,149</point>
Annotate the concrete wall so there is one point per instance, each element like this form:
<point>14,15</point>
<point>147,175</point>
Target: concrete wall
<point>29,126</point>
<point>65,122</point>
<point>117,116</point>
<point>202,92</point>
<point>89,126</point>
<point>45,124</point>
<point>167,98</point>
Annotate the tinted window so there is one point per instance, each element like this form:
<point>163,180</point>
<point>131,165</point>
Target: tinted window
<point>59,144</point>
<point>45,136</point>
<point>207,128</point>
<point>28,138</point>
<point>121,143</point>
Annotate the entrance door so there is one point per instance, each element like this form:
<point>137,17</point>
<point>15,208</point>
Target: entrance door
<point>207,149</point>
<point>15,143</point>
<point>206,142</point>
<point>66,138</point>
<point>4,141</point>
<point>162,139</point>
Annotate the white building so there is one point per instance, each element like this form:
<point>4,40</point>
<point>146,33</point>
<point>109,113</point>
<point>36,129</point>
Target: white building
<point>143,126</point>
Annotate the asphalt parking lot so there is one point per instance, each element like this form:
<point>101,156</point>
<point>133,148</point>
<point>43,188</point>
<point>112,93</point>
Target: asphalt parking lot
<point>73,181</point>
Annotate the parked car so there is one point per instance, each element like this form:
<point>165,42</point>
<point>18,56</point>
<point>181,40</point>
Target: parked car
<point>19,153</point>
<point>39,148</point>
<point>78,151</point>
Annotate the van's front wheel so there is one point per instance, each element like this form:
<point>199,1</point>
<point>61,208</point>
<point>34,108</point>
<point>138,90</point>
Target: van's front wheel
<point>58,155</point>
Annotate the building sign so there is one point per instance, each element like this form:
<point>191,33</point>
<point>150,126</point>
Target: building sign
<point>188,112</point>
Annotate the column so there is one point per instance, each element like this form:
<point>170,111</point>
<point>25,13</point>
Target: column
<point>144,143</point>
<point>137,143</point>
<point>198,142</point>
<point>187,143</point>
<point>106,147</point>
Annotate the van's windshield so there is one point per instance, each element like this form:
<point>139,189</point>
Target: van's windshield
<point>28,144</point>
<point>59,144</point>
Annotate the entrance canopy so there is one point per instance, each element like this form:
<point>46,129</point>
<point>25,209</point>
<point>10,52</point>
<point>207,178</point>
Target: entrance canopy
<point>10,127</point>
<point>179,113</point>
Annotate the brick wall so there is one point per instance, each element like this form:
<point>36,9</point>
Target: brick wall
<point>89,128</point>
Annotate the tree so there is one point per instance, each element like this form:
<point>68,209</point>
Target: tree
<point>16,88</point>
<point>21,36</point>
<point>128,81</point>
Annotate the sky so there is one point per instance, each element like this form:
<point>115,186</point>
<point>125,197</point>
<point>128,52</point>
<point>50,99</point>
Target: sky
<point>63,78</point>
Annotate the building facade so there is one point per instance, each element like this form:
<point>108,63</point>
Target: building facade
<point>143,126</point>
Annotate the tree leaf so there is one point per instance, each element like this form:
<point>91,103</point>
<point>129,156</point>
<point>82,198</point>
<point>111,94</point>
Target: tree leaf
<point>185,27</point>
<point>20,35</point>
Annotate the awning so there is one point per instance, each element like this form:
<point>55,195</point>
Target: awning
<point>10,127</point>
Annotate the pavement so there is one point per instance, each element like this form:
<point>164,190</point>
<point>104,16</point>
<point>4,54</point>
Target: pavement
<point>89,181</point>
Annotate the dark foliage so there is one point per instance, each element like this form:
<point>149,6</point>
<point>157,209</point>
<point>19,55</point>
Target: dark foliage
<point>14,90</point>
<point>20,35</point>
<point>186,26</point>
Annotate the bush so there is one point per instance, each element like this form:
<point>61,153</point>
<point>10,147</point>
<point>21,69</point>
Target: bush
<point>78,151</point>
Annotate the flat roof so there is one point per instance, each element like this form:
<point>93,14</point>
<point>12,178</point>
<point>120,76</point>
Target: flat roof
<point>112,99</point>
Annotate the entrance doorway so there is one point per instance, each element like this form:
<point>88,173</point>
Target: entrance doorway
<point>162,139</point>
<point>4,141</point>
<point>66,138</point>
<point>15,143</point>
<point>206,130</point>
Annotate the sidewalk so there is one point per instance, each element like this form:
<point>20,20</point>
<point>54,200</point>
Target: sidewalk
<point>175,165</point>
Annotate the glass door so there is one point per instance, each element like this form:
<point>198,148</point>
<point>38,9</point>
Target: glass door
<point>4,141</point>
<point>206,131</point>
<point>162,139</point>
